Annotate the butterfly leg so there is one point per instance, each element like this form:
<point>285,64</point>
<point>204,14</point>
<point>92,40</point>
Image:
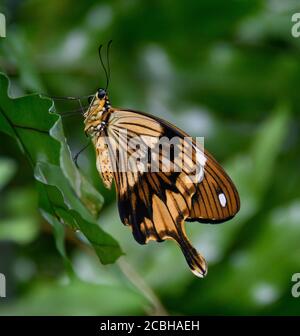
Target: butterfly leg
<point>75,158</point>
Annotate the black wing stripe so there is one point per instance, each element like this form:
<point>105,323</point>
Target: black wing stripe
<point>204,202</point>
<point>213,200</point>
<point>220,182</point>
<point>231,189</point>
<point>128,125</point>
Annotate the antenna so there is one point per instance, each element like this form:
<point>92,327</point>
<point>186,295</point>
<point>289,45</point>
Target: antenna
<point>106,69</point>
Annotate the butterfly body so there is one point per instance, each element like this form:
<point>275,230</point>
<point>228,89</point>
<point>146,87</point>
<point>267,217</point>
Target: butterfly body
<point>156,192</point>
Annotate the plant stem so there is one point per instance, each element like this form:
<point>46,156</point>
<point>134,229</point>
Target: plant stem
<point>132,275</point>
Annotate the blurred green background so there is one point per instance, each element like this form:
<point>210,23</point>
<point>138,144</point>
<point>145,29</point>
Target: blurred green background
<point>225,70</point>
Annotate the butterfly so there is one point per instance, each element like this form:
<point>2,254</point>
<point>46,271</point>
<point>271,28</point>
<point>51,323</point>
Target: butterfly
<point>156,193</point>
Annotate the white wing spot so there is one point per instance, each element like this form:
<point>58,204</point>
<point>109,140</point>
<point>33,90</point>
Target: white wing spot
<point>222,199</point>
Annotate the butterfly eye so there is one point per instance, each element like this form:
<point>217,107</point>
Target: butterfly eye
<point>101,93</point>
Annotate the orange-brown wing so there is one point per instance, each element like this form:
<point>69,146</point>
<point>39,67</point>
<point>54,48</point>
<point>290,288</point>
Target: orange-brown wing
<point>216,199</point>
<point>156,204</point>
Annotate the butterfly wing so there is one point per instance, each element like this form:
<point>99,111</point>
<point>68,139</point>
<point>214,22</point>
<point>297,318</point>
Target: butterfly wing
<point>156,204</point>
<point>216,199</point>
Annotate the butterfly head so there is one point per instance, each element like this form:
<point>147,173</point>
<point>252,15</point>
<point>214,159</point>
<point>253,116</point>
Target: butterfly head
<point>101,94</point>
<point>99,104</point>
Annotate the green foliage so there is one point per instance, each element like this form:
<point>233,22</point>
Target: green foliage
<point>66,197</point>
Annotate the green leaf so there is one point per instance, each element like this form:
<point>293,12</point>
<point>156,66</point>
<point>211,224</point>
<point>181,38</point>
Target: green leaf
<point>85,191</point>
<point>105,246</point>
<point>66,197</point>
